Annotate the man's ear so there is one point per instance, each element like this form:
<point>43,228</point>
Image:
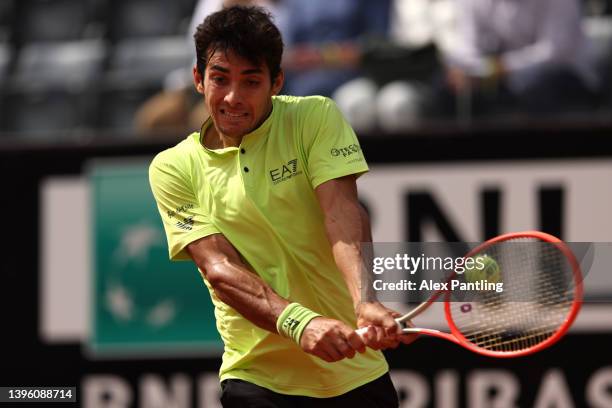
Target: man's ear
<point>277,85</point>
<point>198,80</point>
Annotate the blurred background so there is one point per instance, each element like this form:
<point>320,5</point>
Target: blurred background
<point>478,117</point>
<point>102,69</point>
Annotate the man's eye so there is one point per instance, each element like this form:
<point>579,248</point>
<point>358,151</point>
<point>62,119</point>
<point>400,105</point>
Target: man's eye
<point>218,80</point>
<point>253,82</point>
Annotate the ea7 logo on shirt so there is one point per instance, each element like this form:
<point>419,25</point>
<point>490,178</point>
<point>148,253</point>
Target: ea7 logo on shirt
<point>285,172</point>
<point>345,151</point>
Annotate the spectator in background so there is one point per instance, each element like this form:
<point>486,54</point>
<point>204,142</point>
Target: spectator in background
<point>531,53</point>
<point>395,93</point>
<point>323,41</point>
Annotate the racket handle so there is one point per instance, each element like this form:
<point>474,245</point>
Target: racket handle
<point>362,330</point>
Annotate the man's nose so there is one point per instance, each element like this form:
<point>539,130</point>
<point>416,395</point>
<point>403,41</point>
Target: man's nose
<point>233,97</point>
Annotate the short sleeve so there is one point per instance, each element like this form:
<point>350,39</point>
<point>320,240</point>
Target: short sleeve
<point>184,219</point>
<point>332,147</point>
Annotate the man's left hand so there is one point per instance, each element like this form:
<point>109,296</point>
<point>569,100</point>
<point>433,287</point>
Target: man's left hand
<point>383,332</point>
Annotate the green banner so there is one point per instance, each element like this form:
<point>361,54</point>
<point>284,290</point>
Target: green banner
<point>142,302</point>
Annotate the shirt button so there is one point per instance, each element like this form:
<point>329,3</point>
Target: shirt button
<point>242,151</point>
<point>246,169</point>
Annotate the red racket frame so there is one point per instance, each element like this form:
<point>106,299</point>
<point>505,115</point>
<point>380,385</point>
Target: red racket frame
<point>457,337</point>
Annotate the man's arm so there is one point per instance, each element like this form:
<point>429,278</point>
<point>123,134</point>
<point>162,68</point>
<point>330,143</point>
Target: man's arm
<point>348,226</point>
<point>237,286</point>
<point>234,284</point>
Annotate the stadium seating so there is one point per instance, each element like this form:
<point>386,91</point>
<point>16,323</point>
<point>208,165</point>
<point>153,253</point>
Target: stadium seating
<point>69,65</point>
<point>45,113</point>
<point>56,20</point>
<point>86,64</point>
<point>147,18</point>
<point>117,107</point>
<point>148,59</point>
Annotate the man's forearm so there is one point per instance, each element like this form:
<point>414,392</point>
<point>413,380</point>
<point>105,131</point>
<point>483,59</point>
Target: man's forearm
<point>248,294</point>
<point>348,229</point>
<point>235,285</point>
<point>367,255</point>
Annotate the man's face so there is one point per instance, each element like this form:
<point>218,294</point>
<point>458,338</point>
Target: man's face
<point>237,93</point>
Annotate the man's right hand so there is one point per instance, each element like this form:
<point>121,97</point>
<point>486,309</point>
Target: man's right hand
<point>382,330</point>
<point>331,340</point>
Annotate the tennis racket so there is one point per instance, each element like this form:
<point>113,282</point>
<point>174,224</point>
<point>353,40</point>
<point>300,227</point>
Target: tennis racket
<point>542,294</point>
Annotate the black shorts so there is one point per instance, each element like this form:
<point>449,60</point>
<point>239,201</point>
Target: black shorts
<point>379,393</point>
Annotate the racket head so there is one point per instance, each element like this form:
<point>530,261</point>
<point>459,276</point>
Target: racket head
<point>496,341</point>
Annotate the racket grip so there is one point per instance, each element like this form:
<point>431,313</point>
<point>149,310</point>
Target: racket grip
<point>362,330</point>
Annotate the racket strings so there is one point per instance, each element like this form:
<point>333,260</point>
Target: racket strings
<point>521,327</point>
<point>538,291</point>
<point>511,338</point>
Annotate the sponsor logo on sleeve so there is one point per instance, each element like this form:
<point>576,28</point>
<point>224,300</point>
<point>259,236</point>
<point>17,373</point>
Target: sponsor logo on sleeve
<point>345,151</point>
<point>182,222</point>
<point>185,223</point>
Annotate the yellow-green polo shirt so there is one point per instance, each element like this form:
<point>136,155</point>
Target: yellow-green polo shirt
<point>261,197</point>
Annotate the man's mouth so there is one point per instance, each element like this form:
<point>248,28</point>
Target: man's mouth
<point>233,115</point>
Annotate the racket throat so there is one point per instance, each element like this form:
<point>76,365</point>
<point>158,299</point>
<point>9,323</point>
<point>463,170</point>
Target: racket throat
<point>403,326</point>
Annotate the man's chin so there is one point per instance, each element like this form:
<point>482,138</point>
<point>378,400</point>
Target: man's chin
<point>233,132</point>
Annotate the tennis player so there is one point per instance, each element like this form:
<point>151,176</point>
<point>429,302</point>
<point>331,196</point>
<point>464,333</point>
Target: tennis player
<point>264,201</point>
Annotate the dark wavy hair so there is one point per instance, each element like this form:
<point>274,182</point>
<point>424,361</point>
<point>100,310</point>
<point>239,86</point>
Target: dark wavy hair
<point>247,31</point>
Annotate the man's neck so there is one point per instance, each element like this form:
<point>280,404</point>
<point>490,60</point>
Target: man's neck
<point>213,139</point>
